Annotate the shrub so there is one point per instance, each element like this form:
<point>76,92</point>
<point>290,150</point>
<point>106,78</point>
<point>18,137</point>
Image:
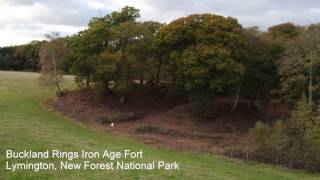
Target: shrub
<point>277,141</point>
<point>295,141</point>
<point>258,136</point>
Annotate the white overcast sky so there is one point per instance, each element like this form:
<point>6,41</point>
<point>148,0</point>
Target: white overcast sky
<point>24,20</point>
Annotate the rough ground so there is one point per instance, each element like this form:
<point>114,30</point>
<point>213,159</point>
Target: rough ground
<point>163,121</point>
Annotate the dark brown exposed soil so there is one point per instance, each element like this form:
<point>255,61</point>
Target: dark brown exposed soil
<point>163,121</point>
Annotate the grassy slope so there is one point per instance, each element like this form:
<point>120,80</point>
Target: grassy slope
<point>26,124</point>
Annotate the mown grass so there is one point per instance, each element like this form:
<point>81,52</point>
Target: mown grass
<point>26,124</point>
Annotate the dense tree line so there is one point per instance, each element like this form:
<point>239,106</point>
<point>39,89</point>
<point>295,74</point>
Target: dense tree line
<point>20,58</point>
<point>295,140</point>
<point>200,56</point>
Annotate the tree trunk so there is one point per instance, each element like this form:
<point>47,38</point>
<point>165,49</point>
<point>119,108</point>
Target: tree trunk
<point>237,97</point>
<point>174,77</point>
<point>158,73</point>
<point>253,103</point>
<point>88,80</point>
<point>310,86</point>
<point>58,89</point>
<point>254,98</point>
<point>108,91</point>
<point>141,78</point>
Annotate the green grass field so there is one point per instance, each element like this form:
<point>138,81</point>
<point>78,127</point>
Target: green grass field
<point>26,124</point>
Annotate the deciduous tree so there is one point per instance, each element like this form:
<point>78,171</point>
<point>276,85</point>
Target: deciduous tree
<point>299,67</point>
<point>51,55</point>
<point>204,52</point>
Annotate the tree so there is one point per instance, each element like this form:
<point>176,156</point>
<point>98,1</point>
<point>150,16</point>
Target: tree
<point>300,64</point>
<point>204,53</point>
<point>300,118</point>
<point>283,32</point>
<point>280,35</point>
<point>296,140</point>
<point>87,45</point>
<point>303,132</point>
<point>134,43</point>
<point>260,66</point>
<point>6,58</point>
<point>144,49</point>
<point>117,60</point>
<point>129,54</point>
<point>27,56</point>
<point>5,62</point>
<point>52,54</point>
<point>23,57</point>
<point>127,13</point>
<point>106,71</point>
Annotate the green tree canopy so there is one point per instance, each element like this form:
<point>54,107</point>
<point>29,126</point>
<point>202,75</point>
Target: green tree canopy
<point>204,52</point>
<point>299,67</point>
